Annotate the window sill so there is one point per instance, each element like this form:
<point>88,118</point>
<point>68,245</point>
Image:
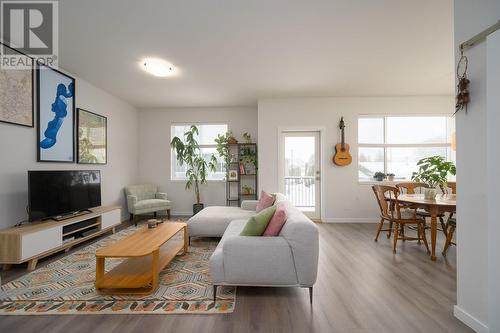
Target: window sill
<point>383,182</point>
<point>209,180</point>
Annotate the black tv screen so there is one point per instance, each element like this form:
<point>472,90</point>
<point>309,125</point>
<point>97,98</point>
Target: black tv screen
<point>55,193</point>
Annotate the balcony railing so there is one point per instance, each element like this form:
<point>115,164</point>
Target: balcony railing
<point>301,191</point>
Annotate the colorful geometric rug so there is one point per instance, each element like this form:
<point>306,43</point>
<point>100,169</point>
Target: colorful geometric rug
<point>66,286</point>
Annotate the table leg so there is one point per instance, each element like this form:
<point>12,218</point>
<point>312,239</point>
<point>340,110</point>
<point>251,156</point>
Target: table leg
<point>186,239</point>
<point>99,270</point>
<point>433,213</point>
<point>155,270</point>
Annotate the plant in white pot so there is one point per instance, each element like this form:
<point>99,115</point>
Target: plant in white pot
<point>434,172</point>
<point>188,153</point>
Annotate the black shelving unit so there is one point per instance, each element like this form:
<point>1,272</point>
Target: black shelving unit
<point>239,167</point>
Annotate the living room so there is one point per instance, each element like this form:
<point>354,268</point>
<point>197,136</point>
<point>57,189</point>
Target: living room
<point>198,166</point>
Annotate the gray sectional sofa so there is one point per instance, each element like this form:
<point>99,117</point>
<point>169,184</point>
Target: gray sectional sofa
<point>289,260</point>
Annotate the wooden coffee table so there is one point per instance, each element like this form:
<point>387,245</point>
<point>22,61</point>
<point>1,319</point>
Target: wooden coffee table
<point>147,251</point>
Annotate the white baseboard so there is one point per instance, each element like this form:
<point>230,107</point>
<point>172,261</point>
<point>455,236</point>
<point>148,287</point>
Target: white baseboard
<point>350,220</point>
<point>469,320</point>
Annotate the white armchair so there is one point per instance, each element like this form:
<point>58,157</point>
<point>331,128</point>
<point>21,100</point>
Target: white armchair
<point>145,199</point>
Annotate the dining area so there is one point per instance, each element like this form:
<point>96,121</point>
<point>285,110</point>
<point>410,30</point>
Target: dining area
<point>410,209</point>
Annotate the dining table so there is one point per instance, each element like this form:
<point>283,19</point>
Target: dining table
<point>443,203</point>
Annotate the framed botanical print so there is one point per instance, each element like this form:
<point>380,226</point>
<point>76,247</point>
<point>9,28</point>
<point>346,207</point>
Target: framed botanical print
<point>55,111</point>
<point>17,89</point>
<point>232,175</point>
<point>92,145</point>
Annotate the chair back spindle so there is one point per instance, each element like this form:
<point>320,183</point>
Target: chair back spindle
<point>382,193</point>
<point>411,187</point>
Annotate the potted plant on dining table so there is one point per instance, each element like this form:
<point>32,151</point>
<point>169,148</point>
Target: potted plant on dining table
<point>434,172</point>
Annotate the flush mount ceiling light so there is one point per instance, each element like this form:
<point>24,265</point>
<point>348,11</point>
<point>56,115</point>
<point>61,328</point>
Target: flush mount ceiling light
<point>157,67</point>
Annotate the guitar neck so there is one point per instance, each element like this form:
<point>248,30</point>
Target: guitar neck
<point>343,140</point>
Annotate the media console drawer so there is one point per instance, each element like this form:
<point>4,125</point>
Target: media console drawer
<point>40,241</point>
<point>110,218</point>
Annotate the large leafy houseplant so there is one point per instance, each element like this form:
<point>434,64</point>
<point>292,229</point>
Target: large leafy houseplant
<point>434,172</point>
<point>197,168</point>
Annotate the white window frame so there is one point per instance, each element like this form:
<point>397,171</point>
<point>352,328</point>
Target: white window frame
<point>385,146</point>
<point>173,154</point>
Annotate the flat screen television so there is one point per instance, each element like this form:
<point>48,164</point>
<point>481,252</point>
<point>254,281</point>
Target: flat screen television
<point>62,194</point>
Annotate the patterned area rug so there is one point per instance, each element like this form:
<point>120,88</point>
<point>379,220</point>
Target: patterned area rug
<point>66,286</point>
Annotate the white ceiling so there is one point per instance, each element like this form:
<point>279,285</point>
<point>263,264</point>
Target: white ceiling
<point>232,52</point>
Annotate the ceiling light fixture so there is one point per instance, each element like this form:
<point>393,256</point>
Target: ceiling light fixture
<point>157,67</point>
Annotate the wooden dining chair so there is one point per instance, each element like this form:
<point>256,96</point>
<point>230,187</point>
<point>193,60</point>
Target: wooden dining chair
<point>451,188</point>
<point>397,216</point>
<point>452,226</point>
<point>451,222</point>
<point>414,188</point>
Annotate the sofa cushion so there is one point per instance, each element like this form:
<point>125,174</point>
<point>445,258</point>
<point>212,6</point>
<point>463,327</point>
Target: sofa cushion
<point>213,221</point>
<point>266,200</point>
<point>277,221</point>
<point>258,254</point>
<point>151,203</point>
<point>216,260</point>
<point>257,224</point>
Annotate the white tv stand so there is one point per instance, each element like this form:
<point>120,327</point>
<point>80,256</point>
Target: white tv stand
<point>36,240</point>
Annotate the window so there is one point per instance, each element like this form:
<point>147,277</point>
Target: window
<point>206,140</point>
<point>394,144</point>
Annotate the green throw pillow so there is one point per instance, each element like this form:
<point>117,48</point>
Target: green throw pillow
<point>257,224</point>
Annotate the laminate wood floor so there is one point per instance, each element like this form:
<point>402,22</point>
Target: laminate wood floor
<point>361,287</point>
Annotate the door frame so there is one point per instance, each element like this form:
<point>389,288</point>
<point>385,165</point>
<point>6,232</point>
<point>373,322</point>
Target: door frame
<point>323,162</point>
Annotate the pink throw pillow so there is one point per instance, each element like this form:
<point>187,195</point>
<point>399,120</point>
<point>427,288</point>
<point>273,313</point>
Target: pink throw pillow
<point>266,200</point>
<point>277,222</point>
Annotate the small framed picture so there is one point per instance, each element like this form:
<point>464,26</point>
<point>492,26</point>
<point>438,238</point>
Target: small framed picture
<point>92,137</point>
<point>233,175</point>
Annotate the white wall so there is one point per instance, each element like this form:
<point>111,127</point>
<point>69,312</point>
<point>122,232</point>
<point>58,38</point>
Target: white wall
<point>493,154</point>
<point>18,154</point>
<point>155,150</point>
<point>477,132</point>
<point>344,199</point>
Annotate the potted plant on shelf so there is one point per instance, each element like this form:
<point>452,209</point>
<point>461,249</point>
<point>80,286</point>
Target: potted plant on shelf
<point>188,153</point>
<point>390,177</point>
<point>247,190</point>
<point>249,159</point>
<point>379,176</point>
<point>433,171</point>
<point>222,148</point>
<point>231,139</point>
<point>247,137</point>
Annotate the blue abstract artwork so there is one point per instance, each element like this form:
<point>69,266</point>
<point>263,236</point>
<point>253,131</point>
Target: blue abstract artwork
<point>60,109</point>
<point>56,94</point>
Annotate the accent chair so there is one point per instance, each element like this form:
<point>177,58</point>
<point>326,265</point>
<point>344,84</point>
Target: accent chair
<point>145,199</point>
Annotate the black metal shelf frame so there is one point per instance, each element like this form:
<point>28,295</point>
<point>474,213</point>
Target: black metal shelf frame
<point>232,197</point>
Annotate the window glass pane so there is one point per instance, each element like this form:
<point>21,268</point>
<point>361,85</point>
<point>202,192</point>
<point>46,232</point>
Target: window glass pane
<point>180,171</point>
<point>299,156</point>
<point>207,135</point>
<point>371,130</point>
<point>415,130</point>
<point>207,132</point>
<point>220,172</point>
<point>370,160</point>
<point>403,161</point>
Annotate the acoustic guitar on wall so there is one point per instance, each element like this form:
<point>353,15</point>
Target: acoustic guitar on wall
<point>342,155</point>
